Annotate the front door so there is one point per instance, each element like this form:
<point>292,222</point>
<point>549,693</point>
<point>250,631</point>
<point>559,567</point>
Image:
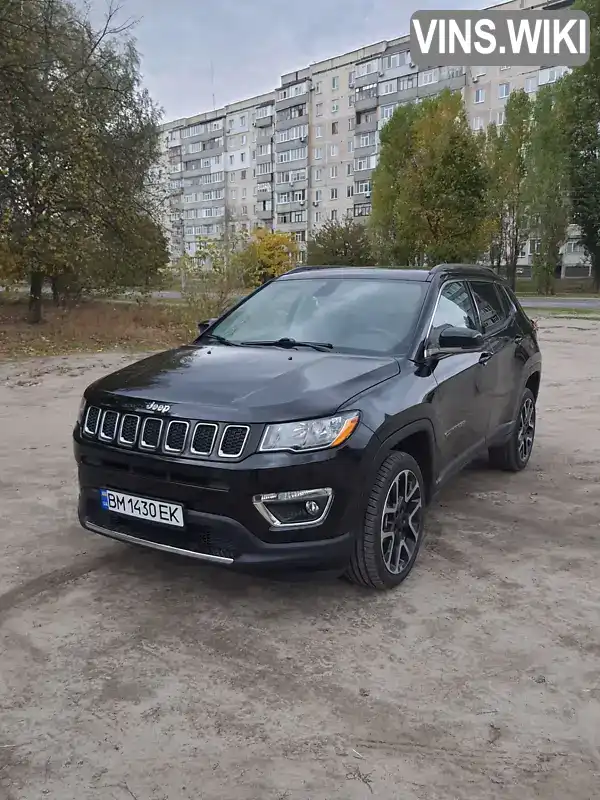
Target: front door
<point>499,378</point>
<point>459,403</point>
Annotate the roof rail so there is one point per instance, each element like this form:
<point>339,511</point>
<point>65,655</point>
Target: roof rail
<point>458,266</point>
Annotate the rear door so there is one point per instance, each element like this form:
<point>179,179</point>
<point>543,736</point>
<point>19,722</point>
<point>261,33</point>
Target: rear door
<point>459,402</point>
<point>499,362</point>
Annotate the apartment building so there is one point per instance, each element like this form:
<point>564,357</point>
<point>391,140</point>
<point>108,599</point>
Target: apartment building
<point>305,153</point>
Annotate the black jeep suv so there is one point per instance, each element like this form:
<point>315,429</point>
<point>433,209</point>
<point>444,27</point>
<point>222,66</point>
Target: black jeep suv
<point>309,426</point>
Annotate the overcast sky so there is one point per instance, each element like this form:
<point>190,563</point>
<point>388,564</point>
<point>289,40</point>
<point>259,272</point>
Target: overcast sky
<point>251,43</point>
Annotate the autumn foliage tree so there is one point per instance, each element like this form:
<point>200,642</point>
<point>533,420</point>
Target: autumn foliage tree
<point>429,186</point>
<point>343,242</point>
<point>78,136</point>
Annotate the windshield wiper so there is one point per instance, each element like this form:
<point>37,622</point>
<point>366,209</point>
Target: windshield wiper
<point>289,343</point>
<point>220,339</point>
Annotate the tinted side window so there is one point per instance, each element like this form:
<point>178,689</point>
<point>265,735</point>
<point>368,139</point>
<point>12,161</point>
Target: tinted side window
<point>455,308</point>
<point>492,311</point>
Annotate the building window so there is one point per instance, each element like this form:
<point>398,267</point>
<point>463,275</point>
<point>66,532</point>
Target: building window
<point>367,68</point>
<point>318,131</point>
<point>231,159</point>
<point>429,77</point>
<point>350,146</point>
<point>479,95</point>
<point>349,169</point>
<point>319,109</point>
<point>477,124</point>
<point>409,82</point>
<point>500,117</point>
<point>389,87</point>
<point>242,157</point>
<point>333,150</point>
<point>333,194</point>
<point>318,153</point>
<point>318,87</point>
<point>318,174</point>
<point>243,175</point>
<point>335,107</point>
<point>333,171</point>
<point>387,111</point>
<point>318,195</point>
<point>318,216</point>
<point>334,127</point>
<point>531,85</point>
<point>503,90</point>
<point>335,83</point>
<point>243,120</point>
<point>349,191</point>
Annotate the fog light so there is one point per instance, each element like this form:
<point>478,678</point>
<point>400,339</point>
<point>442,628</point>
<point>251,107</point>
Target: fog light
<point>302,508</point>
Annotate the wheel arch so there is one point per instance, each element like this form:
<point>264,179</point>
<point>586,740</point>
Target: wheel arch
<point>418,440</point>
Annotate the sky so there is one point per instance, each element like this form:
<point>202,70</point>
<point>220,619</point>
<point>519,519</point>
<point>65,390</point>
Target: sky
<point>193,50</point>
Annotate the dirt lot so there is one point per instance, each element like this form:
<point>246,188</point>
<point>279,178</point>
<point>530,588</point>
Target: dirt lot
<point>125,674</point>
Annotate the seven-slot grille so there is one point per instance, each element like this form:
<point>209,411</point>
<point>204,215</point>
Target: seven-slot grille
<point>175,436</point>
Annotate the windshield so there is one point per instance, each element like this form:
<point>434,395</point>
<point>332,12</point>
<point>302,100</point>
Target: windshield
<point>354,315</point>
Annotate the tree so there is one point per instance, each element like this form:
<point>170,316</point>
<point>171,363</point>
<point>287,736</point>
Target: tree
<point>436,186</point>
<point>77,138</point>
<point>547,187</point>
<point>392,244</point>
<point>580,104</point>
<point>266,254</point>
<point>340,243</point>
<point>509,180</point>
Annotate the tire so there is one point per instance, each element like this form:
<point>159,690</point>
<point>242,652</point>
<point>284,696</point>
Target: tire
<point>514,455</point>
<point>375,550</point>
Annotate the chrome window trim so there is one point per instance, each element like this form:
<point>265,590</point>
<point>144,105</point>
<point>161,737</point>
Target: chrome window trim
<point>427,352</point>
<point>165,447</point>
<point>148,447</point>
<point>215,428</point>
<point>220,452</point>
<point>120,439</point>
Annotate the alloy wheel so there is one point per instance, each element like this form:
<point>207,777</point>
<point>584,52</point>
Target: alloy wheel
<point>401,521</point>
<point>526,429</point>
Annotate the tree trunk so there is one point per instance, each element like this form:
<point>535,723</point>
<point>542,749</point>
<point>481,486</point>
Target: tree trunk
<point>54,283</point>
<point>595,257</point>
<point>35,297</point>
<point>511,274</point>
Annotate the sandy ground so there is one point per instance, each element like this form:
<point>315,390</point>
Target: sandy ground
<point>127,674</point>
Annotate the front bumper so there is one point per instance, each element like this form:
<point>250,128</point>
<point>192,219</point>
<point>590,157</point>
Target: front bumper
<point>222,523</point>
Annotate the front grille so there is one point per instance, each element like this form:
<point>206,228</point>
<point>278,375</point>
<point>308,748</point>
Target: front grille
<point>175,436</point>
<point>233,441</point>
<point>108,426</point>
<point>203,439</point>
<point>92,418</point>
<point>129,429</point>
<point>151,430</point>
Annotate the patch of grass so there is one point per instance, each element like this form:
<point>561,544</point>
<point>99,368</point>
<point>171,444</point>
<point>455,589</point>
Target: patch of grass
<point>567,313</point>
<point>94,326</point>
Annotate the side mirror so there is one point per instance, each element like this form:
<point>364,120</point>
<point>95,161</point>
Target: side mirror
<point>204,326</point>
<point>456,339</point>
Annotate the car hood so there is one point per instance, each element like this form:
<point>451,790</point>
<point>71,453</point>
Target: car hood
<point>249,384</point>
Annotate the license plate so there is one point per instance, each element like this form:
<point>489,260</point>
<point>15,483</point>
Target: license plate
<point>142,508</point>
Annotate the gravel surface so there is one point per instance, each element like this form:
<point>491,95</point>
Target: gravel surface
<point>127,674</point>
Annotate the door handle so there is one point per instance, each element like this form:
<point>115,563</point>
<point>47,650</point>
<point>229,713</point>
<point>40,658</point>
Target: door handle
<point>485,357</point>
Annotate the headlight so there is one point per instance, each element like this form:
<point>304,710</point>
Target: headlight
<point>82,406</point>
<point>313,434</point>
